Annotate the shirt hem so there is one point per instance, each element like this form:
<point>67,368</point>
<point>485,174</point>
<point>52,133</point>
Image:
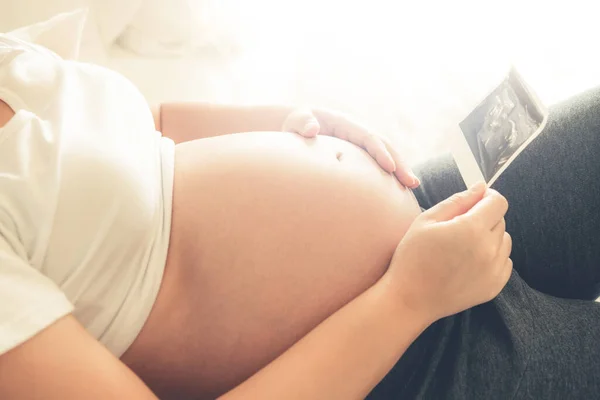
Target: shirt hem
<point>152,276</point>
<point>34,321</point>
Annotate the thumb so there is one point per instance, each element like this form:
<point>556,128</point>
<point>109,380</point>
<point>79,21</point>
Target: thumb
<point>302,122</point>
<point>457,204</point>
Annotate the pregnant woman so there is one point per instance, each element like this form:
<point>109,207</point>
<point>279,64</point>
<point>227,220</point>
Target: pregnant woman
<point>269,265</point>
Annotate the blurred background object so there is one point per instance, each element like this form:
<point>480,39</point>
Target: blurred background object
<point>411,70</point>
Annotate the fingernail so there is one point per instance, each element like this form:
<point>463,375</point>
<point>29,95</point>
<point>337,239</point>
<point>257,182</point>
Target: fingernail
<point>416,181</point>
<point>477,186</point>
<point>310,126</point>
<point>414,178</point>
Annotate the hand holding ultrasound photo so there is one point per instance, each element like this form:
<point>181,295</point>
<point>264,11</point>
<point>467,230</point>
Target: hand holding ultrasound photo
<point>497,130</point>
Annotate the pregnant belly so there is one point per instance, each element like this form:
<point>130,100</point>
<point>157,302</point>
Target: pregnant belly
<point>271,234</point>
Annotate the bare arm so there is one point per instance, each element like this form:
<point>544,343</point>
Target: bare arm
<point>345,356</point>
<point>65,362</point>
<point>454,256</point>
<point>188,121</point>
<point>183,122</point>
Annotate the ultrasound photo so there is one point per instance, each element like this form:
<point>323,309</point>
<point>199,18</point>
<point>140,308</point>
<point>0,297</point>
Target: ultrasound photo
<point>502,125</point>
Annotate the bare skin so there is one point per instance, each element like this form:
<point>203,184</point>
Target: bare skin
<point>347,353</point>
<point>272,233</point>
<point>6,113</point>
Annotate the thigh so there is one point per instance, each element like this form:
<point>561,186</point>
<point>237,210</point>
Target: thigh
<point>271,234</point>
<point>564,359</point>
<point>522,345</point>
<point>554,197</point>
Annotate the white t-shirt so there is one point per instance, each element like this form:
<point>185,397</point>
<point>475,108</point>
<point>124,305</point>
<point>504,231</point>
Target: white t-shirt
<point>85,199</point>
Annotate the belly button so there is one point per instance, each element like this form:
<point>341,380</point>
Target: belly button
<point>339,155</point>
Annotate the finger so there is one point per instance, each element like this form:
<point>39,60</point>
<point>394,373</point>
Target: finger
<point>502,271</point>
<point>490,210</point>
<point>302,122</point>
<point>500,226</point>
<point>499,229</point>
<point>505,272</point>
<point>376,149</point>
<point>344,128</point>
<point>382,147</point>
<point>403,172</point>
<point>457,204</point>
<point>329,120</point>
<point>508,267</point>
<point>506,247</point>
<point>498,232</point>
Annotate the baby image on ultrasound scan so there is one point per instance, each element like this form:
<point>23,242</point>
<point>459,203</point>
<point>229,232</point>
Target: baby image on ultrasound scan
<point>503,123</point>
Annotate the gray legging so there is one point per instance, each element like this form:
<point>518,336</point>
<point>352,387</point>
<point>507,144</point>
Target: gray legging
<point>540,338</point>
